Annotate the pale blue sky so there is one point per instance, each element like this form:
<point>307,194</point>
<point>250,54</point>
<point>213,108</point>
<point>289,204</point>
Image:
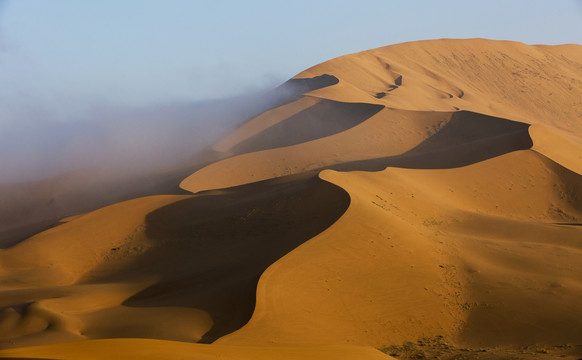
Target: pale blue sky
<point>60,57</point>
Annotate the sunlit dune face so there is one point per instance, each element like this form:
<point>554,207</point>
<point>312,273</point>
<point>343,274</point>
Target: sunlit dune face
<point>421,200</point>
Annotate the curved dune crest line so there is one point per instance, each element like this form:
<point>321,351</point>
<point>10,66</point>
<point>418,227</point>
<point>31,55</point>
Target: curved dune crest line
<point>466,139</point>
<point>388,132</point>
<point>64,254</point>
<point>323,119</point>
<point>293,89</point>
<point>194,260</point>
<point>426,253</point>
<point>531,84</point>
<point>457,219</point>
<point>264,121</point>
<point>301,121</point>
<point>220,244</point>
<point>367,139</point>
<point>68,283</point>
<point>158,349</point>
<point>538,85</point>
<point>559,147</point>
<point>421,140</point>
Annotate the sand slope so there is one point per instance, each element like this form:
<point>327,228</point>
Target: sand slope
<point>424,199</point>
<point>157,349</point>
<point>430,79</point>
<point>426,253</point>
<point>122,270</point>
<point>532,84</point>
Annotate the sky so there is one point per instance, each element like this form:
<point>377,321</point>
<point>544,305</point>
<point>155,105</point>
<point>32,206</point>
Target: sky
<point>65,52</point>
<point>63,61</point>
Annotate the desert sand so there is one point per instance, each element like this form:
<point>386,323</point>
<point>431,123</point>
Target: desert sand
<point>420,200</point>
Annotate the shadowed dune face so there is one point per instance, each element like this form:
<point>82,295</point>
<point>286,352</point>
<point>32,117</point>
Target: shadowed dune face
<point>31,207</point>
<point>471,253</point>
<point>320,120</point>
<point>295,88</point>
<point>423,198</point>
<point>427,140</point>
<point>221,244</point>
<point>531,84</point>
<point>466,139</point>
<point>195,260</point>
<point>28,207</point>
<point>537,85</point>
<point>559,146</point>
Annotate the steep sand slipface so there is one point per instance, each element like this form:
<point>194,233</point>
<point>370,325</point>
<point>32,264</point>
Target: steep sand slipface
<point>53,288</point>
<point>362,125</point>
<point>368,140</point>
<point>460,163</point>
<point>532,84</point>
<point>188,262</point>
<point>478,254</point>
<point>539,85</point>
<point>561,147</point>
<point>30,207</point>
<point>264,121</point>
<point>421,140</point>
<point>64,254</point>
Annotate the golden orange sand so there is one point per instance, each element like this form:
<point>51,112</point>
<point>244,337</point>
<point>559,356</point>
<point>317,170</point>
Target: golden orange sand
<point>429,203</point>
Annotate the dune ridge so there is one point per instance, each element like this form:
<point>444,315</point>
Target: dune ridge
<point>527,83</point>
<point>434,263</point>
<point>195,259</point>
<point>426,140</point>
<point>499,79</point>
<point>423,199</point>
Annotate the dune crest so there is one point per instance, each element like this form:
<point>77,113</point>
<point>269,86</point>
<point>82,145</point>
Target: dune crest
<point>497,79</point>
<point>531,84</point>
<point>428,253</point>
<point>122,270</point>
<point>422,199</point>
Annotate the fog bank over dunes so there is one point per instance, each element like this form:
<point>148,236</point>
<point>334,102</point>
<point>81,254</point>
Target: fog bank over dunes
<point>420,200</point>
<point>55,168</point>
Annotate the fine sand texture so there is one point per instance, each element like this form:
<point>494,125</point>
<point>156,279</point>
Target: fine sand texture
<point>416,201</point>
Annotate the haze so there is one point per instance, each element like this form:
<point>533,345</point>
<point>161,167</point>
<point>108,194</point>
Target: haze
<point>98,64</point>
<point>293,180</point>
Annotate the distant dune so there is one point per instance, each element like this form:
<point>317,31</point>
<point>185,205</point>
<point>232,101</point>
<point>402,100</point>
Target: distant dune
<point>420,200</point>
<point>417,87</point>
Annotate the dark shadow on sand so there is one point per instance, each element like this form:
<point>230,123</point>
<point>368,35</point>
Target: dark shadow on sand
<point>320,120</point>
<point>211,250</point>
<point>293,89</point>
<point>467,139</point>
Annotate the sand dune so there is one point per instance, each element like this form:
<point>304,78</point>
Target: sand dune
<point>369,140</point>
<point>194,259</point>
<point>508,80</point>
<point>425,140</point>
<point>558,146</point>
<point>531,84</point>
<point>158,349</point>
<point>426,253</point>
<point>423,199</point>
<point>29,207</point>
